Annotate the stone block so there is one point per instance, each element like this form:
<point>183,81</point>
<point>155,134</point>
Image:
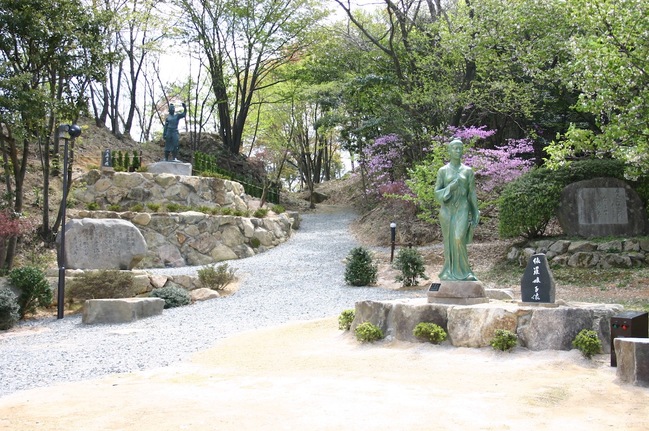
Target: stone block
<point>476,326</point>
<point>407,314</point>
<point>173,168</point>
<point>120,310</point>
<point>458,292</point>
<point>632,360</point>
<point>554,328</point>
<point>102,244</point>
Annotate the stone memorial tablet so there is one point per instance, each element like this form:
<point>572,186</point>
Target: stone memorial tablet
<point>537,285</point>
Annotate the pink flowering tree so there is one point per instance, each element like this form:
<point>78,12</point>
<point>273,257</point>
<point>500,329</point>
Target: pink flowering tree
<point>11,226</point>
<point>383,164</point>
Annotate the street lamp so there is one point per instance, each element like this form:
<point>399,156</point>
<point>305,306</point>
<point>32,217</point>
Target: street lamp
<point>393,237</point>
<point>66,132</point>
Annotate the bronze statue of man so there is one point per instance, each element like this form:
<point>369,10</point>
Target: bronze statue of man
<point>458,215</point>
<point>170,132</point>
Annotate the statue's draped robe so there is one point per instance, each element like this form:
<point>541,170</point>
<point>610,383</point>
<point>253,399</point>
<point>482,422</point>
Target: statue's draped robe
<point>458,209</point>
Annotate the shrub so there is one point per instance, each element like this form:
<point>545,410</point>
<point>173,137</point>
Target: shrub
<point>278,209</point>
<point>588,343</point>
<point>255,242</point>
<point>92,206</point>
<point>114,207</point>
<point>345,319</point>
<point>34,288</point>
<point>361,270</point>
<point>173,296</point>
<point>410,264</point>
<point>260,213</point>
<point>227,211</point>
<point>173,207</point>
<point>216,277</point>
<point>367,332</point>
<point>9,309</point>
<point>528,203</point>
<point>430,332</point>
<point>137,208</point>
<point>504,340</point>
<point>102,284</point>
<point>155,207</point>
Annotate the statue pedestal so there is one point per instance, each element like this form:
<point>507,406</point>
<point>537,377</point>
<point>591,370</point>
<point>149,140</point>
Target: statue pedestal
<point>173,168</point>
<point>457,292</point>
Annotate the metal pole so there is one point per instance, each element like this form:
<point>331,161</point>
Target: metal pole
<point>61,288</point>
<point>393,237</point>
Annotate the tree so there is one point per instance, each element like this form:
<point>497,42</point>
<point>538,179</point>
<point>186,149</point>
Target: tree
<point>244,41</point>
<point>51,51</point>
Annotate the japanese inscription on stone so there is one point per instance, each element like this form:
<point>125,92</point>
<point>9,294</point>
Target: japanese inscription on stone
<point>537,284</point>
<point>602,205</point>
<point>106,161</point>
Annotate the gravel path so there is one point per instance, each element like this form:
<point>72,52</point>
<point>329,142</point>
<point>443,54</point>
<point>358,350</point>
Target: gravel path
<point>302,279</point>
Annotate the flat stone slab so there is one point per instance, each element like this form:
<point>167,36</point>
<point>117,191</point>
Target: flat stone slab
<point>457,292</point>
<point>632,360</point>
<point>173,168</point>
<point>122,310</point>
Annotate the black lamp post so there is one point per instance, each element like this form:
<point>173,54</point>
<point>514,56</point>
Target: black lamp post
<point>66,132</point>
<point>393,237</point>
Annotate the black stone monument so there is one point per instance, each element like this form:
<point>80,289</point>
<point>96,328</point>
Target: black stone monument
<point>537,284</point>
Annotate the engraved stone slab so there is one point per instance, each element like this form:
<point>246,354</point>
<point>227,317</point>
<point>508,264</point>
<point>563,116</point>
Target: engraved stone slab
<point>537,284</point>
<point>601,207</point>
<point>457,292</point>
<point>102,244</point>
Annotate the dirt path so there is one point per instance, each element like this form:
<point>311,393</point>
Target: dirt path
<point>310,376</point>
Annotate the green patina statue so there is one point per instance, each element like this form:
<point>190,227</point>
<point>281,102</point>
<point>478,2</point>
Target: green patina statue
<point>170,132</point>
<point>458,215</point>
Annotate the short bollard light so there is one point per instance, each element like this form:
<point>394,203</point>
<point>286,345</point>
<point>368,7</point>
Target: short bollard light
<point>393,237</point>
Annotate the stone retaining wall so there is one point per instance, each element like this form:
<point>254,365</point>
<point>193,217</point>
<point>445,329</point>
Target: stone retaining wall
<point>619,253</point>
<point>193,238</point>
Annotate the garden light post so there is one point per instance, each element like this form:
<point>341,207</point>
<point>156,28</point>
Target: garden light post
<point>393,237</point>
<point>66,132</point>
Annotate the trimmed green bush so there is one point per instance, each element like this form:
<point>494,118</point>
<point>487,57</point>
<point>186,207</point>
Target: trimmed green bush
<point>34,289</point>
<point>9,309</point>
<point>410,264</point>
<point>345,319</point>
<point>216,277</point>
<point>360,270</point>
<point>588,343</point>
<point>527,204</point>
<point>504,340</point>
<point>430,332</point>
<point>367,332</point>
<point>101,284</point>
<point>173,296</point>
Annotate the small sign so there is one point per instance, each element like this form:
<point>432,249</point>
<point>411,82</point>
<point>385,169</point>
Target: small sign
<point>537,284</point>
<point>434,287</point>
<point>106,161</point>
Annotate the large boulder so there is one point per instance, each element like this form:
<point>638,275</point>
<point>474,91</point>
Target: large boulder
<point>102,244</point>
<point>122,310</point>
<point>633,360</point>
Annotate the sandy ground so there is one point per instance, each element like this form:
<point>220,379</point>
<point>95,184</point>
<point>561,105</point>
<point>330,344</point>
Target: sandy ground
<point>311,376</point>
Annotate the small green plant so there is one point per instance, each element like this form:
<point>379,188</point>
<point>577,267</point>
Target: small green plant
<point>430,332</point>
<point>360,270</point>
<point>260,213</point>
<point>9,309</point>
<point>367,332</point>
<point>241,213</point>
<point>255,242</point>
<point>504,340</point>
<point>173,296</point>
<point>101,284</point>
<point>92,206</point>
<point>137,208</point>
<point>410,264</point>
<point>216,277</point>
<point>173,207</point>
<point>155,207</point>
<point>114,207</point>
<point>34,288</point>
<point>204,209</point>
<point>278,209</point>
<point>345,319</point>
<point>227,211</point>
<point>588,343</point>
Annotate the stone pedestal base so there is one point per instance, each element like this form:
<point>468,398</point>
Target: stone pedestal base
<point>174,168</point>
<point>457,292</point>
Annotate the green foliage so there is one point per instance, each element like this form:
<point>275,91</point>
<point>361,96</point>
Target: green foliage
<point>9,309</point>
<point>422,178</point>
<point>136,208</point>
<point>588,343</point>
<point>367,332</point>
<point>504,340</point>
<point>410,264</point>
<point>92,206</point>
<point>216,277</point>
<point>527,204</point>
<point>360,270</point>
<point>101,284</point>
<point>173,296</point>
<point>430,332</point>
<point>114,207</point>
<point>34,288</point>
<point>345,319</point>
<point>173,207</point>
<point>260,213</point>
<point>278,209</point>
<point>255,242</point>
<point>155,207</point>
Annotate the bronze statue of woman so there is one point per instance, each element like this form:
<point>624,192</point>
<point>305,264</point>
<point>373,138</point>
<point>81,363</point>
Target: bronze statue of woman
<point>458,215</point>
